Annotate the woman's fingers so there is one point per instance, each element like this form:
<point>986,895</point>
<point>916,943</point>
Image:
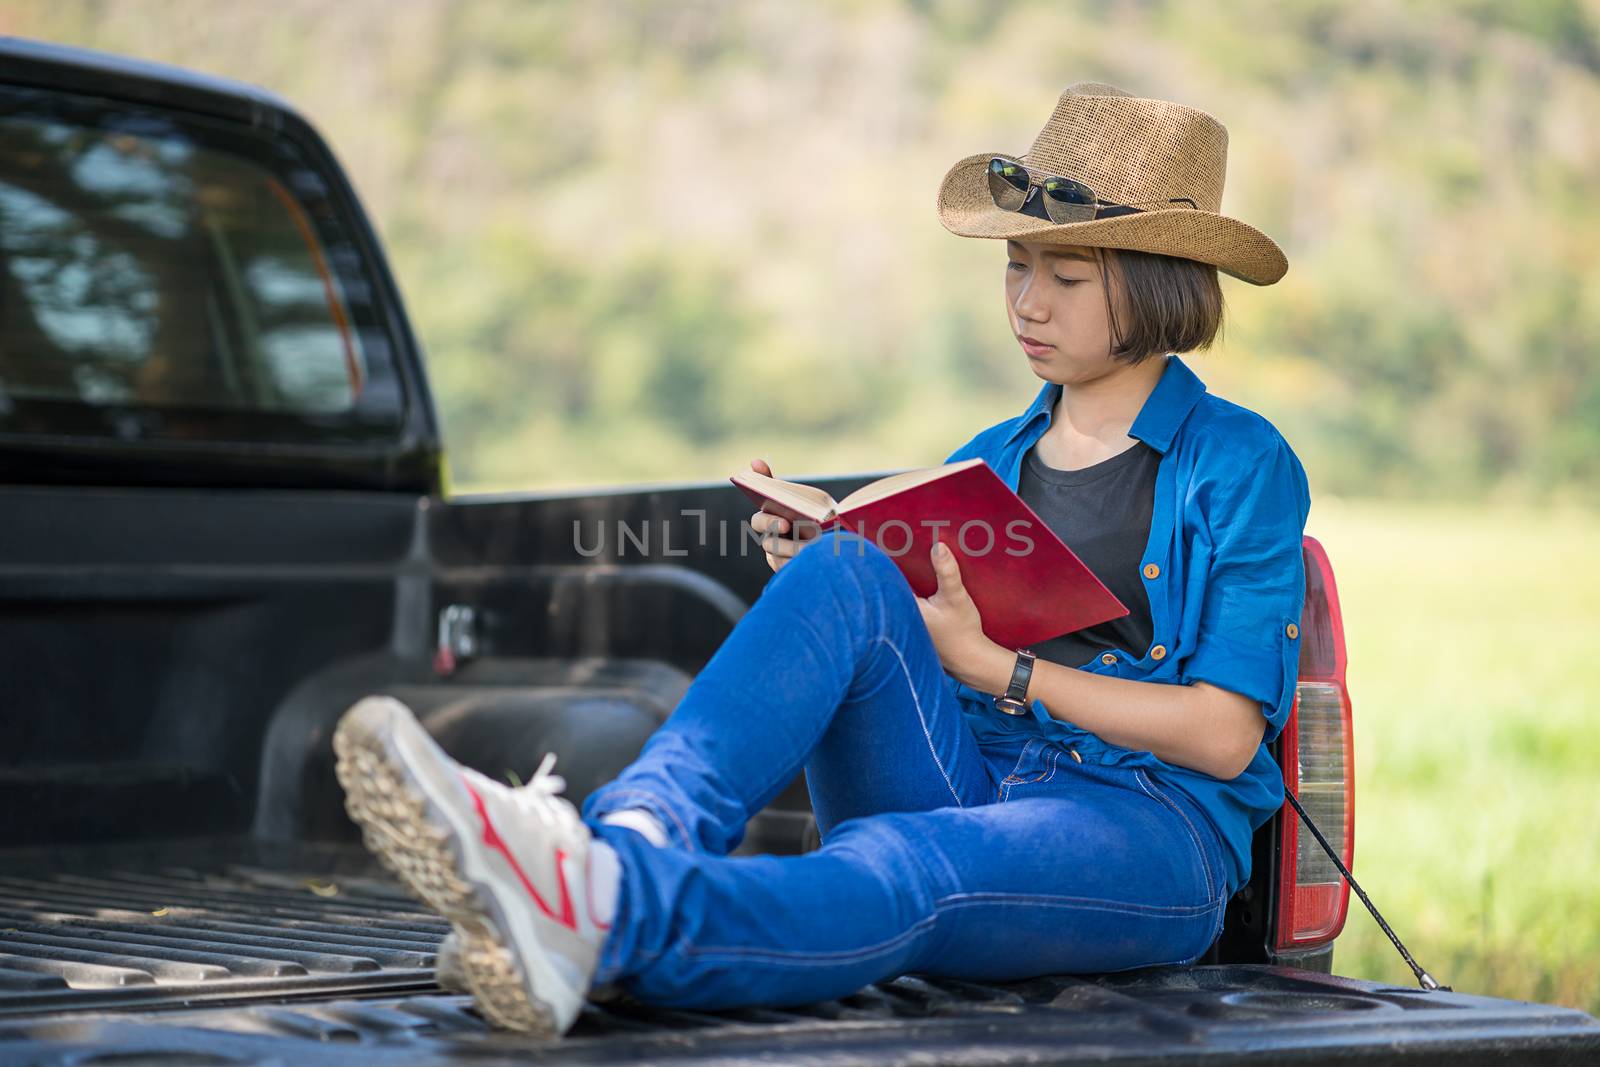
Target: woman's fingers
<point>773,529</point>
<point>780,537</point>
<point>777,528</point>
<point>782,546</point>
<point>764,522</point>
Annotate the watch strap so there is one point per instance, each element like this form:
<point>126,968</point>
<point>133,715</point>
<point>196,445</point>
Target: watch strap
<point>1021,675</point>
<point>1014,701</point>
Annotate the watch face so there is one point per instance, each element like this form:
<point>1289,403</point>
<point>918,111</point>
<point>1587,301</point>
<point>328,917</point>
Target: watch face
<point>1010,706</point>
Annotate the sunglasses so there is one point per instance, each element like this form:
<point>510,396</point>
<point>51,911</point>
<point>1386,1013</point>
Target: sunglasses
<point>1063,199</point>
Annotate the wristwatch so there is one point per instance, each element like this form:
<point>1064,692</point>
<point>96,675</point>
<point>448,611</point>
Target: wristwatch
<point>1015,699</point>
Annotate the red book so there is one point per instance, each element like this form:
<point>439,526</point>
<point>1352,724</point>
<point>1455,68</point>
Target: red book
<point>1027,584</point>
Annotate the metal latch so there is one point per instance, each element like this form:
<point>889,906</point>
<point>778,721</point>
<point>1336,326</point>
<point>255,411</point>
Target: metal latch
<point>458,638</point>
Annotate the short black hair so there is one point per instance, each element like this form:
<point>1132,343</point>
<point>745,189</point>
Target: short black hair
<point>1174,304</point>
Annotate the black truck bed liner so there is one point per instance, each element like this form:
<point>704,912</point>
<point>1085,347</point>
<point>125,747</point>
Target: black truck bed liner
<point>155,928</point>
<point>308,955</point>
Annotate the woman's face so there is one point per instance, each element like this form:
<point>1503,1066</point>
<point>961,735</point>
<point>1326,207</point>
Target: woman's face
<point>1055,295</point>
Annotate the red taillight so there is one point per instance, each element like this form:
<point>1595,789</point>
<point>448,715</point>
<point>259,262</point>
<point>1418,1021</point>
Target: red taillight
<point>1315,753</point>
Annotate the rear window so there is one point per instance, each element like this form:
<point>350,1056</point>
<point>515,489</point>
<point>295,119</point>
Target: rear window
<point>169,277</point>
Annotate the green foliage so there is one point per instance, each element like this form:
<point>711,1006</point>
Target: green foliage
<point>1472,680</point>
<point>645,241</point>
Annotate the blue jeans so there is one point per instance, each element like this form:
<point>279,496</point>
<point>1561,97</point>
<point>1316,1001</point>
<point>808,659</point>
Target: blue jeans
<point>939,856</point>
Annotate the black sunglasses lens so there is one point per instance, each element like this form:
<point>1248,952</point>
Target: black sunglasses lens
<point>1008,183</point>
<point>1068,201</point>
<point>1067,191</point>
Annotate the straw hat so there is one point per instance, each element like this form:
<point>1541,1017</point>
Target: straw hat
<point>1129,150</point>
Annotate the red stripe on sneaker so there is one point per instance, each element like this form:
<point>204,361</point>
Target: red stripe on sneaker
<point>492,838</point>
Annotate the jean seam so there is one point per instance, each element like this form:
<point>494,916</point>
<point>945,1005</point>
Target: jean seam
<point>1055,760</point>
<point>1013,778</point>
<point>1155,793</point>
<point>922,718</point>
<point>964,900</point>
<point>1047,760</point>
<point>817,958</point>
<point>942,904</point>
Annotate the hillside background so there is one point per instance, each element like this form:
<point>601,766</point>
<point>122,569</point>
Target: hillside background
<point>647,242</point>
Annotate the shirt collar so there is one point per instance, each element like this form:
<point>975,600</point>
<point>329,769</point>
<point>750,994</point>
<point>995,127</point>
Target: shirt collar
<point>1176,393</point>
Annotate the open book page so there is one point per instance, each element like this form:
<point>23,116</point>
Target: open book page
<point>808,500</point>
<point>895,483</point>
<point>820,507</point>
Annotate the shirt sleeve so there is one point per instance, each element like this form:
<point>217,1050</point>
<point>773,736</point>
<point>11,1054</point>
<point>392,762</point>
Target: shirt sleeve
<point>1248,637</point>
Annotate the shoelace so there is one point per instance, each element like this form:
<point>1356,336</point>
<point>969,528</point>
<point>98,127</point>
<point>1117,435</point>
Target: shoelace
<point>541,798</point>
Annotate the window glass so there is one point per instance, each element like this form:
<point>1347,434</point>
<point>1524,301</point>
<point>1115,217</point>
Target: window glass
<point>163,276</point>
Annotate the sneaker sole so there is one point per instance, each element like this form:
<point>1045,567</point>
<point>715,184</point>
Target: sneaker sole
<point>454,978</point>
<point>409,836</point>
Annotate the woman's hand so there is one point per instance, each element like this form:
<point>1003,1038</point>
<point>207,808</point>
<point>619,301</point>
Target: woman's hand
<point>956,628</point>
<point>779,549</point>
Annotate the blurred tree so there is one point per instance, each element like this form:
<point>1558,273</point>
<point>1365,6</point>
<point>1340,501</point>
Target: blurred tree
<point>646,241</point>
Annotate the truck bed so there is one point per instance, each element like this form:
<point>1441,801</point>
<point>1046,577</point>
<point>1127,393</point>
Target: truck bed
<point>235,952</point>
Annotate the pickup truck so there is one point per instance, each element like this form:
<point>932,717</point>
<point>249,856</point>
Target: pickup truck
<point>223,519</point>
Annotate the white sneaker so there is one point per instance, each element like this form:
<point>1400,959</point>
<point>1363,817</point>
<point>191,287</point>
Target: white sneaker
<point>529,893</point>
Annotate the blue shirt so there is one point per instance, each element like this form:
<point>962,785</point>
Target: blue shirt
<point>1226,591</point>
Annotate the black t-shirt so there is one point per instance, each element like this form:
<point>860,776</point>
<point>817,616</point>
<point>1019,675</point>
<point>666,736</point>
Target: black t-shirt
<point>1102,512</point>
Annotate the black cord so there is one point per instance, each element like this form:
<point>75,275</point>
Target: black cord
<point>1424,979</point>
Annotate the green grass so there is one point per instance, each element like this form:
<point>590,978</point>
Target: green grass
<point>1473,637</point>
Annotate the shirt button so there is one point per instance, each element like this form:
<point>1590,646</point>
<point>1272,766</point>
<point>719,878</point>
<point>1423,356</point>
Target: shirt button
<point>1152,571</point>
<point>1292,630</point>
<point>1108,659</point>
<point>1159,652</point>
<point>1075,754</point>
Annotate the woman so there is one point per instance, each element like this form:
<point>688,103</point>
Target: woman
<point>1102,828</point>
